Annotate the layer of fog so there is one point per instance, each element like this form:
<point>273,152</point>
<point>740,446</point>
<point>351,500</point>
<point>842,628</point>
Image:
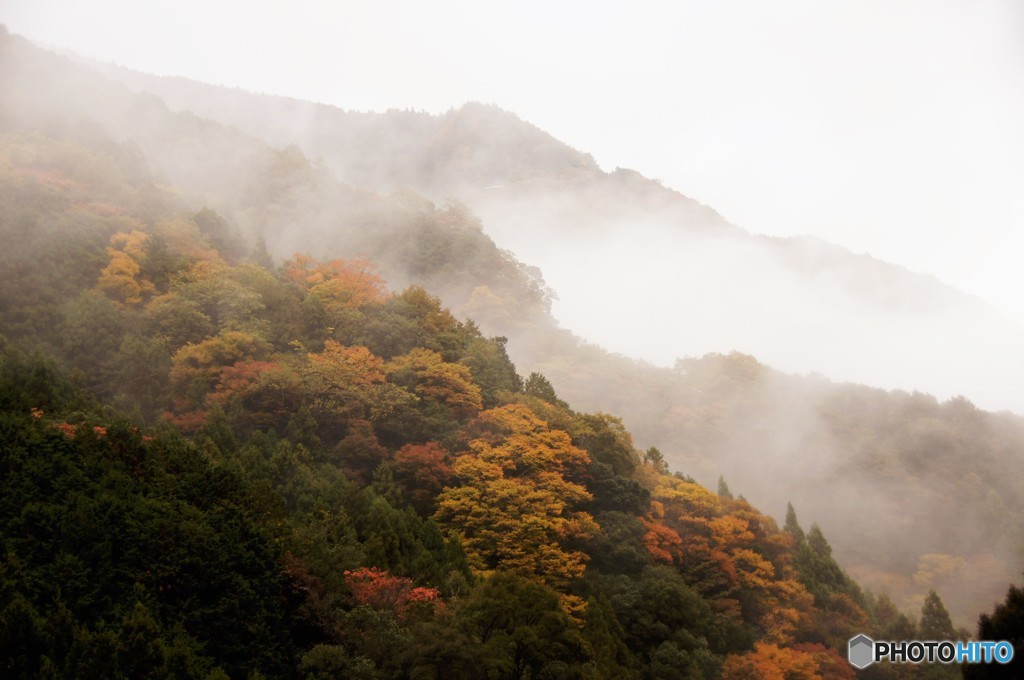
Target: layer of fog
<point>782,116</point>
<point>653,283</point>
<point>889,543</point>
<point>648,288</point>
<point>656,284</point>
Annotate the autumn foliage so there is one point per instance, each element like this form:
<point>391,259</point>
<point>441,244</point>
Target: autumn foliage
<point>337,284</point>
<point>215,465</point>
<point>770,662</point>
<point>423,470</point>
<point>121,279</point>
<point>376,588</point>
<point>514,507</point>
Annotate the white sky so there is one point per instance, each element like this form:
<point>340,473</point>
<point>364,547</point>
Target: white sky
<point>894,127</point>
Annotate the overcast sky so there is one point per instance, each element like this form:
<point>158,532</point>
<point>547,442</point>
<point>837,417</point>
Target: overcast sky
<point>894,127</point>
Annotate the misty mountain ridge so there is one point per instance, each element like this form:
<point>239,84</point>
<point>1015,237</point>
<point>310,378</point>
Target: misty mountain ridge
<point>798,303</point>
<point>775,436</point>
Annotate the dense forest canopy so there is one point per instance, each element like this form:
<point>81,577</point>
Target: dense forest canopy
<point>220,459</point>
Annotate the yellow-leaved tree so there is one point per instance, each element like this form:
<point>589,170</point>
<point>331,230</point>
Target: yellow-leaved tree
<point>342,382</point>
<point>120,280</point>
<point>514,507</point>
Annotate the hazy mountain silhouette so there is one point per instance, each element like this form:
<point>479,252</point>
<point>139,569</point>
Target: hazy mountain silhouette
<point>605,239</point>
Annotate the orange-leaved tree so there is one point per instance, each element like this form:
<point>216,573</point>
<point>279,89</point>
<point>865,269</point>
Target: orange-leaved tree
<point>422,470</point>
<point>381,590</point>
<point>771,662</point>
<point>337,284</point>
<point>733,555</point>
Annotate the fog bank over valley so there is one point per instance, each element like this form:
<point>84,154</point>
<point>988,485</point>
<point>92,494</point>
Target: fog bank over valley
<point>655,289</point>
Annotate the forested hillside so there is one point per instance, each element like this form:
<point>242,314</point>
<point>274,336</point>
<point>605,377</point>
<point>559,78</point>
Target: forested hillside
<point>647,267</point>
<point>258,420</point>
<point>216,468</point>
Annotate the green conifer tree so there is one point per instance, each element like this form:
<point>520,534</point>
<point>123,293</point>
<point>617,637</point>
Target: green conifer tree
<point>935,622</point>
<point>792,526</point>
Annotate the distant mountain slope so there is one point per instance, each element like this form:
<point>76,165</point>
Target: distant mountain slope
<point>636,245</point>
<point>606,240</point>
<point>379,151</point>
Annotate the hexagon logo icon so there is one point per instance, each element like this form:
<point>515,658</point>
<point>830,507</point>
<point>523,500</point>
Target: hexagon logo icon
<point>861,651</point>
